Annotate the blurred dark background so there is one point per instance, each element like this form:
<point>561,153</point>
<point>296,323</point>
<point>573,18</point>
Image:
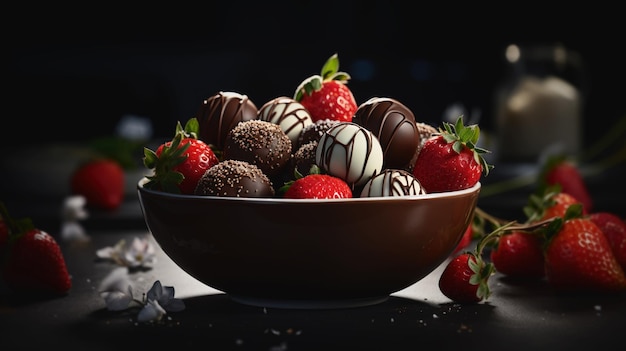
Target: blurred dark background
<point>75,74</point>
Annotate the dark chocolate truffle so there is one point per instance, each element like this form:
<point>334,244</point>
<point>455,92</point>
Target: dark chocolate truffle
<point>304,158</point>
<point>220,113</point>
<point>313,132</point>
<point>289,114</point>
<point>394,125</point>
<point>235,179</point>
<point>260,143</point>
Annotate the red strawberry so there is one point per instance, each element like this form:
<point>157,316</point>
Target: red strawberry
<point>465,278</point>
<point>327,96</point>
<point>558,170</point>
<point>101,182</point>
<point>614,228</point>
<point>32,261</point>
<point>519,254</point>
<point>579,258</point>
<point>180,163</point>
<point>553,203</point>
<point>317,186</point>
<point>451,160</point>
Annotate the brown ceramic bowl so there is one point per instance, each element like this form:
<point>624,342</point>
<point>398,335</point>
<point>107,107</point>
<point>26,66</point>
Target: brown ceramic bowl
<point>289,253</point>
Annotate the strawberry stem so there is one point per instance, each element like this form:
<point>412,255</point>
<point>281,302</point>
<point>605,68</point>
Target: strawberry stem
<point>16,227</point>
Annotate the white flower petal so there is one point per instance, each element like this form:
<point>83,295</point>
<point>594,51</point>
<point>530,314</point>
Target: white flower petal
<point>116,300</point>
<point>165,296</point>
<point>151,311</point>
<point>106,252</point>
<point>156,291</point>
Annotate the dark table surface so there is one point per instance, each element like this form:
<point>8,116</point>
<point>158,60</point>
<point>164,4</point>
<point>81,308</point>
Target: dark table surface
<point>518,316</point>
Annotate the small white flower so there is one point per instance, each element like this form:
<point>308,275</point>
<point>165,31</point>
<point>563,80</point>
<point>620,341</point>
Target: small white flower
<point>140,253</point>
<point>164,295</point>
<point>113,253</point>
<point>151,311</point>
<point>116,290</point>
<point>72,212</point>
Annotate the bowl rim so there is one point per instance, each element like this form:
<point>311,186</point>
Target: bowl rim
<point>447,194</point>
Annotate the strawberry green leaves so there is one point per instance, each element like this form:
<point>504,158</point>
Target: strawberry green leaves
<point>178,164</point>
<point>462,136</point>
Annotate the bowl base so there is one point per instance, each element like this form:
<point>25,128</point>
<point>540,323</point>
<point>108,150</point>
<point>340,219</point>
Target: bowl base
<point>308,304</point>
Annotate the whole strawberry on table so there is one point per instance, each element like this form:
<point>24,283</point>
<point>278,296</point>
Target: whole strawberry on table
<point>31,261</point>
<point>572,251</point>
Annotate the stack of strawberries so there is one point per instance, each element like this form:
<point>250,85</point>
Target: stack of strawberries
<point>563,242</point>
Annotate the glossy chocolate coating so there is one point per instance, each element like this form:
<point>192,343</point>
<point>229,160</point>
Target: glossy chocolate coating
<point>392,182</point>
<point>394,125</point>
<point>235,178</point>
<point>220,113</point>
<point>289,114</point>
<point>350,152</point>
<point>426,131</point>
<point>260,143</point>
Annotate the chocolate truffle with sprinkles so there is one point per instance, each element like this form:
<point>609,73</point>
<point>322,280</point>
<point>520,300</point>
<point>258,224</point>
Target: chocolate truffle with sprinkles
<point>220,113</point>
<point>234,178</point>
<point>260,143</point>
<point>304,158</point>
<point>313,132</point>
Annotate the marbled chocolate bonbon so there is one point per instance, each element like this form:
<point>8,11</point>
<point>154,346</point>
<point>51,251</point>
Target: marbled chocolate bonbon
<point>289,114</point>
<point>392,182</point>
<point>220,113</point>
<point>394,125</point>
<point>350,152</point>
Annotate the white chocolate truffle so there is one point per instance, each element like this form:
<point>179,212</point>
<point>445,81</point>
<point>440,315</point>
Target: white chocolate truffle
<point>392,182</point>
<point>350,152</point>
<point>289,114</point>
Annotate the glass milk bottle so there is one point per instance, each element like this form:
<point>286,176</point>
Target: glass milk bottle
<point>539,106</point>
